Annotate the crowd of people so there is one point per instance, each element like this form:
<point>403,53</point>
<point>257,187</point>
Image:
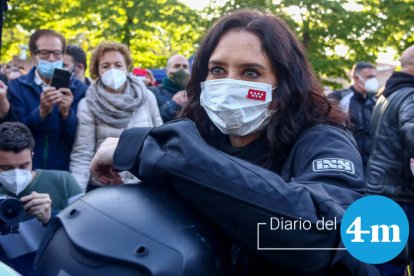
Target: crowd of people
<point>251,120</point>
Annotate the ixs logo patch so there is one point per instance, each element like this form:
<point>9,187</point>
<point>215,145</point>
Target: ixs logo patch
<point>333,164</point>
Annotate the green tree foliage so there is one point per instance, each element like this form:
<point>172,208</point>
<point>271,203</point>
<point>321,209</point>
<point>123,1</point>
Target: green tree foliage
<point>153,30</point>
<point>395,22</point>
<point>335,33</point>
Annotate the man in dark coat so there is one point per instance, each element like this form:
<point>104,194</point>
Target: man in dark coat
<point>390,169</point>
<point>358,100</point>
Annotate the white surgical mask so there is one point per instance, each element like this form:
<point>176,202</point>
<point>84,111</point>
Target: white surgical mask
<point>371,85</point>
<point>237,107</point>
<point>114,78</point>
<point>15,181</point>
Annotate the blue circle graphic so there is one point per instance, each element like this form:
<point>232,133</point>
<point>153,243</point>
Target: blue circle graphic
<point>374,229</point>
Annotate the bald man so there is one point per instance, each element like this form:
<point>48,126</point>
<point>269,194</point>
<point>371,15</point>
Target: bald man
<point>171,95</point>
<point>407,60</point>
<point>390,169</point>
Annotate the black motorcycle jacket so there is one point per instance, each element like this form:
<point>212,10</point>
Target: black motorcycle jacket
<point>323,177</point>
<point>388,170</point>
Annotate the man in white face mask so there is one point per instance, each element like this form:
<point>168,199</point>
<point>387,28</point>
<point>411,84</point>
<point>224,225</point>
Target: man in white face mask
<point>358,100</point>
<point>41,192</point>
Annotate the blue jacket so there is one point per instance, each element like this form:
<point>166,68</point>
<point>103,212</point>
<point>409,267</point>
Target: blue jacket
<point>168,108</point>
<point>53,135</point>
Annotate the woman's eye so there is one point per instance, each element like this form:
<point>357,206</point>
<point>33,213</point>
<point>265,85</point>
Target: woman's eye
<point>252,74</point>
<point>216,71</point>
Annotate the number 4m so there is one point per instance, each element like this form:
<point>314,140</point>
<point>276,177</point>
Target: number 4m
<point>355,229</point>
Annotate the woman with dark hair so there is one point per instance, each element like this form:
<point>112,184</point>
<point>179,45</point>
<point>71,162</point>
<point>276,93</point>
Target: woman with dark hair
<point>297,95</point>
<point>277,151</point>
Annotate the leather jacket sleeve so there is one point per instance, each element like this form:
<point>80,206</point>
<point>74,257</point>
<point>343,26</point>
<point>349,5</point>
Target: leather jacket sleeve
<point>237,195</point>
<point>406,118</point>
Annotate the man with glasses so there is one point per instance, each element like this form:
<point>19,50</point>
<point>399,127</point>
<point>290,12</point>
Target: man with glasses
<point>359,100</point>
<point>50,113</point>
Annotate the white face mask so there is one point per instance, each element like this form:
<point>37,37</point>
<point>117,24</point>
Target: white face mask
<point>371,85</point>
<point>237,107</point>
<point>114,78</point>
<point>15,181</point>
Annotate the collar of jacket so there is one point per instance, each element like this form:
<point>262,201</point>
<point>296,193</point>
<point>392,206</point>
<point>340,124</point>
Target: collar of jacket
<point>29,80</point>
<point>397,81</point>
<point>359,96</point>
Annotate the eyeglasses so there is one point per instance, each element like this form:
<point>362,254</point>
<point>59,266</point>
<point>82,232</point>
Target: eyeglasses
<point>44,54</point>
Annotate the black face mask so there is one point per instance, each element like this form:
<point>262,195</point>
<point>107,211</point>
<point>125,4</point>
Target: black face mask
<point>180,77</point>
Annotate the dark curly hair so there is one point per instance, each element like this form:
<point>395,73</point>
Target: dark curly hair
<point>15,137</point>
<point>300,97</point>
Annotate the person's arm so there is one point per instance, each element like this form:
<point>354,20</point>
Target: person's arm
<point>178,150</point>
<point>406,118</point>
<point>84,146</point>
<point>10,116</point>
<point>38,205</point>
<point>169,110</point>
<point>4,103</point>
<point>238,195</point>
<point>7,113</point>
<point>155,112</point>
<point>69,107</point>
<point>69,124</point>
<point>29,117</point>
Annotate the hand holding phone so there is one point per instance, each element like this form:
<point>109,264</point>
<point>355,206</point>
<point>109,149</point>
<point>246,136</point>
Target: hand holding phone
<point>48,98</point>
<point>60,79</point>
<point>66,103</point>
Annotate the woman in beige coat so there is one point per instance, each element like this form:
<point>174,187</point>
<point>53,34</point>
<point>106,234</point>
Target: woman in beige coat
<point>115,101</point>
